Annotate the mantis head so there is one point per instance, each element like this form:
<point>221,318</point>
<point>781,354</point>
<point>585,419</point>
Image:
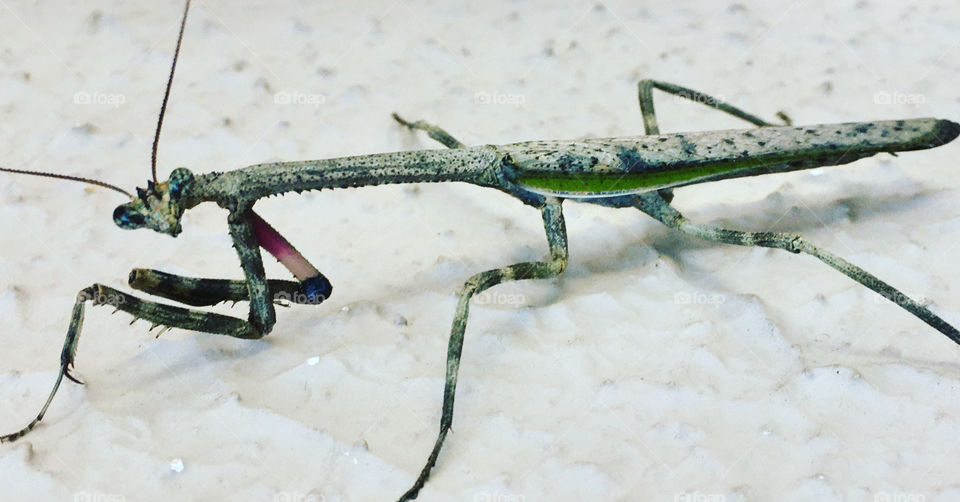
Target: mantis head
<point>158,207</point>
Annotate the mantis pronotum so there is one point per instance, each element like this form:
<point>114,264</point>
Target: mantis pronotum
<point>541,174</point>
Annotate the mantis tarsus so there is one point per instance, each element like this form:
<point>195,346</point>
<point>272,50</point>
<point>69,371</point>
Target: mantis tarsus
<point>636,172</point>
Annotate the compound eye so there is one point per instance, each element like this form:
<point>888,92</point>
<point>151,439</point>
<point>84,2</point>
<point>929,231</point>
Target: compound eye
<point>128,218</point>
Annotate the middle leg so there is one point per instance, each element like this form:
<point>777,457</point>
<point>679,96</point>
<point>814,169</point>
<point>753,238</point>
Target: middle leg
<point>557,240</point>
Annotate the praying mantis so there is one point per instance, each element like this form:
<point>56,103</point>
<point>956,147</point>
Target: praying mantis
<point>568,171</point>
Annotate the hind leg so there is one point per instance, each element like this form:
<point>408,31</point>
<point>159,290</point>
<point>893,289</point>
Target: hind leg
<point>659,209</point>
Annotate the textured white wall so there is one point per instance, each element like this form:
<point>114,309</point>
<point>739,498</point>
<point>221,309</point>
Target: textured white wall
<point>657,368</point>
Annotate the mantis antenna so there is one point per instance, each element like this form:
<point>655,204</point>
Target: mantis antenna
<point>71,178</point>
<point>166,94</point>
<point>156,136</point>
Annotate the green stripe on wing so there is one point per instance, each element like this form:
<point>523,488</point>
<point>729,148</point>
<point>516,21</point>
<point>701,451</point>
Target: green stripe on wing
<point>602,183</point>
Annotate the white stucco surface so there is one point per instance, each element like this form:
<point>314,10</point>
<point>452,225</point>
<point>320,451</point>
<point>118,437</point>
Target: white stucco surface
<point>656,368</point>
